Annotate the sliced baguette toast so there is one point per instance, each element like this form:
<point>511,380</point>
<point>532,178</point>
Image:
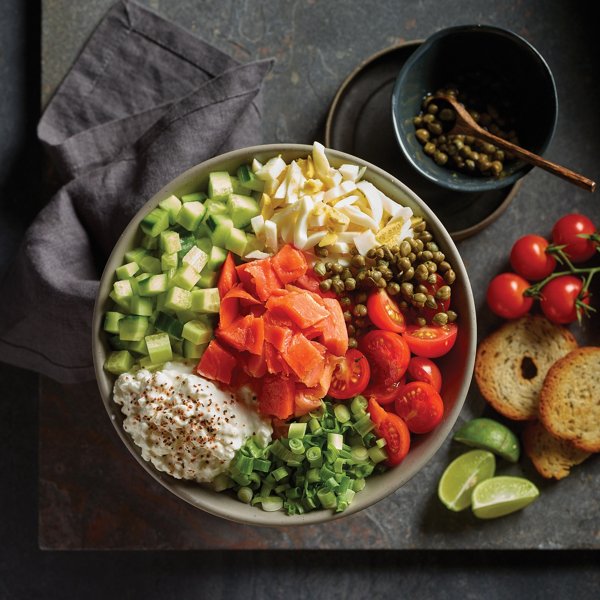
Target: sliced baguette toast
<point>512,363</point>
<point>552,458</point>
<point>570,399</point>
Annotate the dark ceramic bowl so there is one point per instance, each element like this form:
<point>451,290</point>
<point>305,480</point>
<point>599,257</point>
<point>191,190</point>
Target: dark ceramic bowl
<point>506,58</point>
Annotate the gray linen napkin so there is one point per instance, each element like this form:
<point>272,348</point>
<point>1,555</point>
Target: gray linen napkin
<point>145,101</point>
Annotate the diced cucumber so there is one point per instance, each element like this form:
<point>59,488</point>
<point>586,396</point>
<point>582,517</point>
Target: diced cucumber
<point>111,321</point>
<point>242,209</point>
<point>190,215</point>
<point>178,299</point>
<point>185,277</point>
<point>155,221</point>
<point>135,255</point>
<point>220,227</point>
<point>206,301</point>
<point>195,258</point>
<point>238,187</point>
<point>122,289</point>
<point>197,332</point>
<point>172,205</point>
<point>216,258</point>
<point>146,363</point>
<point>204,244</point>
<point>186,315</point>
<point>170,241</point>
<point>252,243</point>
<point>187,242</point>
<point>154,285</point>
<point>219,185</point>
<point>168,324</point>
<point>149,242</point>
<point>116,343</point>
<point>142,306</point>
<point>194,197</point>
<point>133,328</point>
<point>120,301</point>
<point>208,279</point>
<point>119,362</point>
<point>249,180</point>
<point>150,264</point>
<point>127,270</point>
<point>202,232</point>
<point>236,242</point>
<point>138,347</point>
<point>192,350</point>
<point>215,207</point>
<point>169,261</point>
<point>159,347</point>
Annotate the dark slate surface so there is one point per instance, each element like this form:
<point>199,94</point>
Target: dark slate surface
<point>566,36</point>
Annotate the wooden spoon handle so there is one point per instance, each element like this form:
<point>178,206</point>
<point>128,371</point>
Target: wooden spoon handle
<point>534,159</point>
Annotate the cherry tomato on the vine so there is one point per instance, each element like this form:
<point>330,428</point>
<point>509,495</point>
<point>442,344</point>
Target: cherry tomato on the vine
<point>558,299</point>
<point>505,296</point>
<point>529,259</point>
<point>566,232</point>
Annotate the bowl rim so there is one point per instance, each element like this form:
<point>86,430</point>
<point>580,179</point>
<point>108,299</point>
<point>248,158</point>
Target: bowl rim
<point>484,185</point>
<point>257,516</point>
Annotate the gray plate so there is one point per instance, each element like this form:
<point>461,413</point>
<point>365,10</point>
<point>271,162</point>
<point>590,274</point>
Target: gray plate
<point>360,123</point>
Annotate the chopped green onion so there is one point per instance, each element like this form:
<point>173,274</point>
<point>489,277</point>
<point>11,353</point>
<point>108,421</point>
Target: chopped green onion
<point>272,504</point>
<point>377,454</point>
<point>296,446</point>
<point>314,456</point>
<point>245,494</point>
<point>280,473</point>
<point>327,498</point>
<point>313,475</point>
<point>364,425</point>
<point>296,430</point>
<point>222,482</point>
<point>342,414</point>
<point>359,453</point>
<point>381,442</point>
<point>359,405</point>
<point>335,440</point>
<point>358,484</point>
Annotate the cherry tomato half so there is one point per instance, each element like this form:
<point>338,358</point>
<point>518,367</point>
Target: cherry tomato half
<point>566,232</point>
<point>430,341</point>
<point>505,296</point>
<point>393,429</point>
<point>420,406</point>
<point>351,376</point>
<point>388,355</point>
<point>529,259</point>
<point>558,299</point>
<point>385,394</point>
<point>384,312</point>
<point>442,305</point>
<point>423,369</point>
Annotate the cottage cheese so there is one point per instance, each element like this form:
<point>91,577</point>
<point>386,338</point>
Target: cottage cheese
<point>185,425</point>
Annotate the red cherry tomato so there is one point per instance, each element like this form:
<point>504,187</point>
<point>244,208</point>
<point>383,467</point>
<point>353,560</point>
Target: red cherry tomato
<point>388,357</point>
<point>420,405</point>
<point>529,259</point>
<point>351,376</point>
<point>393,429</point>
<point>566,232</point>
<point>385,395</point>
<point>423,369</point>
<point>430,341</point>
<point>384,312</point>
<point>558,299</point>
<point>505,296</point>
<point>443,305</point>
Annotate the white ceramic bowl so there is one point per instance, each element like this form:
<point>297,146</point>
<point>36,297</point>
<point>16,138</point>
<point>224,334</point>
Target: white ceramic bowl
<point>456,367</point>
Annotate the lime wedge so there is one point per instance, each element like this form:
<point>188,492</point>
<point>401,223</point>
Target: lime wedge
<point>502,495</point>
<point>462,475</point>
<point>490,435</point>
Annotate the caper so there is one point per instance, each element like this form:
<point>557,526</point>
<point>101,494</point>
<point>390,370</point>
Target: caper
<point>394,250</point>
<point>449,276</point>
<point>443,293</point>
<point>360,323</point>
<point>351,329</point>
<point>338,287</point>
<point>325,285</point>
<point>382,283</point>
<point>431,266</point>
<point>361,276</point>
<point>379,253</point>
<point>431,247</point>
<point>371,253</point>
<point>435,128</point>
<point>406,289</point>
<point>430,302</point>
<point>452,316</point>
<point>345,302</point>
<point>350,284</point>
<point>418,224</point>
<point>346,273</point>
<point>419,298</point>
<point>375,275</point>
<point>499,155</point>
<point>438,257</point>
<point>393,288</point>
<point>444,266</point>
<point>358,261</point>
<point>404,248</point>
<point>382,263</point>
<point>425,236</point>
<point>421,321</point>
<point>418,121</point>
<point>347,316</point>
<point>496,168</point>
<point>421,288</point>
<point>440,318</point>
<point>403,305</point>
<point>337,268</point>
<point>425,255</point>
<point>429,118</point>
<point>360,298</point>
<point>412,257</point>
<point>320,269</point>
<point>352,343</point>
<point>441,158</point>
<point>322,252</point>
<point>432,108</point>
<point>429,148</point>
<point>408,274</point>
<point>419,245</point>
<point>447,114</point>
<point>404,263</point>
<point>432,279</point>
<point>421,273</point>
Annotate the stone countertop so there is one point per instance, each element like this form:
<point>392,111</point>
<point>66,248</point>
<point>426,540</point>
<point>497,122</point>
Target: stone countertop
<point>317,44</point>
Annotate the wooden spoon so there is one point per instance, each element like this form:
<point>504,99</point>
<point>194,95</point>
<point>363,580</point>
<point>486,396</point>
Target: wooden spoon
<point>466,125</point>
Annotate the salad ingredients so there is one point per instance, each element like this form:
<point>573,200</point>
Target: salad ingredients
<point>502,495</point>
<point>384,312</point>
<point>350,377</point>
<point>491,435</point>
<point>460,477</point>
<point>561,298</point>
<point>420,406</point>
<point>184,425</point>
<point>530,258</point>
<point>506,296</point>
<point>430,341</point>
<point>393,430</point>
<point>424,369</point>
<point>577,233</point>
<point>321,462</point>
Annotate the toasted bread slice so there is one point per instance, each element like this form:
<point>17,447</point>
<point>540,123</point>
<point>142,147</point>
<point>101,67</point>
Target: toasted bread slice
<point>570,399</point>
<point>512,363</point>
<point>552,458</point>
